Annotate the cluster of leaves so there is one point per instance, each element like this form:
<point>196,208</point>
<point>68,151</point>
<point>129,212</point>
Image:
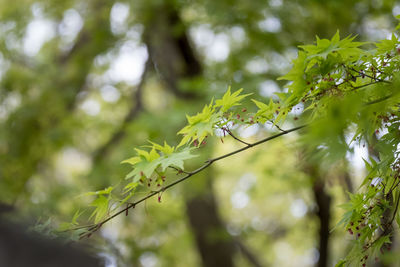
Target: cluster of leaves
<point>150,164</point>
<point>342,87</point>
<point>213,116</point>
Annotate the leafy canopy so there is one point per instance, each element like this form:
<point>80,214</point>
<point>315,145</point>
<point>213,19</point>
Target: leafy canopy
<point>341,88</point>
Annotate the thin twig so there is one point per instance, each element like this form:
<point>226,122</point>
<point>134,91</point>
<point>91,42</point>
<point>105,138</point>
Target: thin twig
<point>369,76</point>
<point>78,228</point>
<point>395,209</point>
<point>393,187</point>
<point>364,85</point>
<point>277,126</point>
<point>178,170</point>
<point>234,137</point>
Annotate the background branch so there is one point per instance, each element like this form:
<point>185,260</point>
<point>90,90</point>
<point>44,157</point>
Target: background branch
<point>136,109</point>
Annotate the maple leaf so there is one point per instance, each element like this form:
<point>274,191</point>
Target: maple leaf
<point>132,160</point>
<point>200,125</point>
<point>229,100</point>
<point>143,168</point>
<point>176,159</point>
<point>101,204</point>
<point>144,164</point>
<point>166,149</point>
<point>265,111</point>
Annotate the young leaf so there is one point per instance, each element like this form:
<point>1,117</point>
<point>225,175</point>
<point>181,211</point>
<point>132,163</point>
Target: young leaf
<point>132,160</point>
<point>176,159</point>
<point>229,100</point>
<point>106,191</point>
<point>166,149</point>
<point>200,125</point>
<point>101,204</point>
<point>143,168</point>
<point>341,263</point>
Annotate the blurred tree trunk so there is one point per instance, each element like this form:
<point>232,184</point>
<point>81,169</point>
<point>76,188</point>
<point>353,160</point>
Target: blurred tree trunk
<point>323,202</point>
<point>175,60</point>
<point>170,50</point>
<point>214,243</point>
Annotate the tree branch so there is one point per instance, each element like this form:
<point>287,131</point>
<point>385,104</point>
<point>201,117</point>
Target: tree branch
<point>276,125</point>
<point>395,209</point>
<point>234,137</point>
<point>97,226</point>
<point>369,76</point>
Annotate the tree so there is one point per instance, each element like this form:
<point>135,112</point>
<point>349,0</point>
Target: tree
<point>338,85</point>
<point>29,142</point>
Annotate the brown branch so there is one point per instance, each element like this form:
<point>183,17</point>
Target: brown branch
<point>97,226</point>
<point>234,137</point>
<point>394,185</point>
<point>395,209</point>
<point>364,85</point>
<point>277,126</point>
<point>178,170</point>
<point>369,76</point>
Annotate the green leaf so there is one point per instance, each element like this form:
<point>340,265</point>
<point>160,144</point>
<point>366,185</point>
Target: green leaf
<point>398,25</point>
<point>398,219</point>
<point>147,164</point>
<point>261,105</point>
<point>76,216</point>
<point>126,198</point>
<point>132,160</point>
<point>106,191</point>
<point>324,47</point>
<point>166,149</point>
<point>341,263</point>
<point>387,46</point>
<point>143,153</point>
<point>130,186</point>
<point>344,220</point>
<point>143,168</point>
<point>200,125</point>
<point>176,159</point>
<point>377,245</point>
<point>265,112</point>
<point>64,226</point>
<point>229,100</point>
<point>101,204</point>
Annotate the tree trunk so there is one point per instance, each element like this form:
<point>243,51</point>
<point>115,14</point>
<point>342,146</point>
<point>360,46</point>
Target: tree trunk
<point>215,245</point>
<point>175,61</point>
<point>323,202</point>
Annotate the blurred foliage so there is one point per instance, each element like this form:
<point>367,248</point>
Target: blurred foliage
<point>70,72</point>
